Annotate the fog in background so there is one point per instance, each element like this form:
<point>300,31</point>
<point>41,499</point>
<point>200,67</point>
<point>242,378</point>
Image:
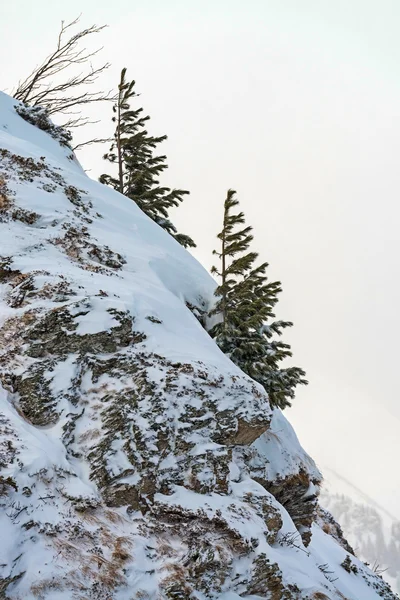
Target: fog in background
<point>296,105</point>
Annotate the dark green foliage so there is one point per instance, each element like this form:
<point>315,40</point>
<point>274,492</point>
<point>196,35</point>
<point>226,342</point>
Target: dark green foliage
<point>246,300</point>
<point>39,116</point>
<point>138,167</point>
<point>348,565</point>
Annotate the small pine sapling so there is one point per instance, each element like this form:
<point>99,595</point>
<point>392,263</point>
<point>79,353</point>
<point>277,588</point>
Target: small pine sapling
<point>246,330</point>
<point>138,168</point>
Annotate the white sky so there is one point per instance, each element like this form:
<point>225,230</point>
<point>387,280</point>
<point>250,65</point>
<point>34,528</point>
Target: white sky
<point>296,105</point>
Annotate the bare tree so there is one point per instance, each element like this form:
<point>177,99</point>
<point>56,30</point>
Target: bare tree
<point>59,92</point>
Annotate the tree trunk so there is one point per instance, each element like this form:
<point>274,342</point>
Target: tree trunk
<point>119,148</point>
<point>223,273</point>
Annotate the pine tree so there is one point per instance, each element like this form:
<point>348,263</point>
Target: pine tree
<point>133,151</point>
<point>246,330</point>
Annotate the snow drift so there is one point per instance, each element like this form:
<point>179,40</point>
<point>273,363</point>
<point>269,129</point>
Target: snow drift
<point>136,461</point>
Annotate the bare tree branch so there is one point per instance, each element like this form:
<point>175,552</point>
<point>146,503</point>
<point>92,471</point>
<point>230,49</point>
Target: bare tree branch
<point>49,87</point>
<point>93,141</point>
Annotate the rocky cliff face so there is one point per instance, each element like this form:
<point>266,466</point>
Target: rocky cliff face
<point>136,461</point>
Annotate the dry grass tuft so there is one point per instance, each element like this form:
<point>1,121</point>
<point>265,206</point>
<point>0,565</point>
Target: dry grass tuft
<point>68,550</point>
<point>90,517</point>
<point>5,202</point>
<point>165,549</point>
<point>142,595</point>
<point>40,588</point>
<point>90,434</point>
<point>114,517</point>
<point>120,553</point>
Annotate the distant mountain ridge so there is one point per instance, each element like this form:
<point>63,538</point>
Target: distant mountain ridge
<point>369,527</point>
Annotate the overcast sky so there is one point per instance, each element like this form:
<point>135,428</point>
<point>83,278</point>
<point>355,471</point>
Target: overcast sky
<point>296,105</point>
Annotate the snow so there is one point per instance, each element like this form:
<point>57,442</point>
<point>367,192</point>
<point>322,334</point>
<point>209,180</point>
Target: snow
<point>279,451</point>
<point>55,523</point>
<point>61,376</point>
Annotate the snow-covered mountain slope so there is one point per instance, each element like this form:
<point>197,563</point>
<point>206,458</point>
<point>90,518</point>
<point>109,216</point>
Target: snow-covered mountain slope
<point>136,461</point>
<point>370,528</point>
